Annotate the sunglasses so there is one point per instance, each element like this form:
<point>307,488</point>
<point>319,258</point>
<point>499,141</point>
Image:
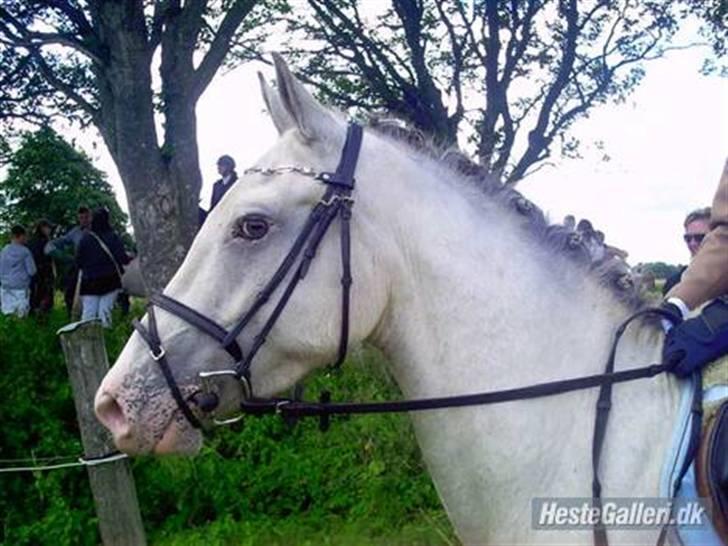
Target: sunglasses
<point>697,237</point>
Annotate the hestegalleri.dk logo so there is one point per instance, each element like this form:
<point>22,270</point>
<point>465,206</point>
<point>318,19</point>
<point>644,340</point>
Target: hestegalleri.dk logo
<point>617,513</point>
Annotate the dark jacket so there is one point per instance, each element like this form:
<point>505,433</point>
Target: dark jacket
<point>43,262</point>
<point>673,280</point>
<point>219,189</point>
<point>99,274</point>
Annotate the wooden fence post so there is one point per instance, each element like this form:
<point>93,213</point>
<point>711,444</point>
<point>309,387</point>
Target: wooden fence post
<point>112,483</point>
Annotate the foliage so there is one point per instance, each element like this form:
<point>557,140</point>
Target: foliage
<point>660,270</point>
<point>427,528</point>
<point>63,68</point>
<point>362,482</point>
<point>48,178</point>
<point>515,76</point>
<point>92,62</point>
<point>714,17</point>
<point>39,421</point>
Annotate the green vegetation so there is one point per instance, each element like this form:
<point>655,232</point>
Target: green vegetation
<point>660,270</point>
<point>361,483</point>
<point>48,178</point>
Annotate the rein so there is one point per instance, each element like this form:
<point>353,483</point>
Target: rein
<point>337,202</point>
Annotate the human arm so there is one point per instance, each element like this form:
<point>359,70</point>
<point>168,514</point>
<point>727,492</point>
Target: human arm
<point>707,276</point>
<point>61,243</point>
<point>30,267</point>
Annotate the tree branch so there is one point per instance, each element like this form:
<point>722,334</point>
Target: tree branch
<point>457,48</point>
<point>537,142</point>
<point>220,44</point>
<point>62,86</point>
<point>161,9</point>
<point>75,15</point>
<point>22,37</point>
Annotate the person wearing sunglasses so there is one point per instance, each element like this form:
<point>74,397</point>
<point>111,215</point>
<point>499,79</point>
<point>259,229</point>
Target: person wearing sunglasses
<point>706,277</point>
<point>697,225</point>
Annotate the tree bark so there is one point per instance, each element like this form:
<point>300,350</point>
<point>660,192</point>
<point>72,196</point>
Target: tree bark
<point>162,182</point>
<point>116,41</point>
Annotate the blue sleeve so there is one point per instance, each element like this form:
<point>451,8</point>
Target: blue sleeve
<point>63,241</point>
<point>30,264</point>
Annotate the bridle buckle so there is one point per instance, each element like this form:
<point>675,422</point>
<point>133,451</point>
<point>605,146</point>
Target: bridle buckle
<point>245,383</point>
<point>334,198</point>
<point>158,356</point>
<point>280,405</point>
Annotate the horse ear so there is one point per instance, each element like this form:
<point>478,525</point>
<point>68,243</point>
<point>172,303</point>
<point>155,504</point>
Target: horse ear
<point>281,119</point>
<point>309,117</point>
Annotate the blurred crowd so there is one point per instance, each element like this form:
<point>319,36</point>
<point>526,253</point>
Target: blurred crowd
<point>86,263</point>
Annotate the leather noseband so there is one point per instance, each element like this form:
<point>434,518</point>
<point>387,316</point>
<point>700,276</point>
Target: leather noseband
<point>336,201</point>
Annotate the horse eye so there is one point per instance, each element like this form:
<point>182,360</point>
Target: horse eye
<point>251,227</point>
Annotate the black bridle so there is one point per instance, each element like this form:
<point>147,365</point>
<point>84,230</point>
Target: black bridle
<point>337,202</point>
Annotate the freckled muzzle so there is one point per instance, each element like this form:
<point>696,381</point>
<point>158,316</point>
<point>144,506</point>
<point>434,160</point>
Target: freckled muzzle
<point>335,202</point>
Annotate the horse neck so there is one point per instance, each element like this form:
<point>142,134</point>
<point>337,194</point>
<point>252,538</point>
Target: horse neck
<point>474,302</point>
<point>473,308</point>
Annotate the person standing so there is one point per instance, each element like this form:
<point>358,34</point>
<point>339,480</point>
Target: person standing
<point>100,259</point>
<point>42,286</point>
<point>226,170</point>
<point>697,226</point>
<point>16,270</point>
<point>707,275</point>
<point>69,243</point>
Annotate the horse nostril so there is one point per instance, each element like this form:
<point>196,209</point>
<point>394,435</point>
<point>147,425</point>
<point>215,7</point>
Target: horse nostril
<point>207,401</point>
<point>109,412</point>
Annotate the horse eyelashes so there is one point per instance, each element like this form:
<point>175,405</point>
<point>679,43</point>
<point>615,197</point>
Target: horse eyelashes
<point>251,227</point>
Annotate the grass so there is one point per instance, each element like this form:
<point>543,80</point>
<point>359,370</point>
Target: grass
<point>425,529</point>
<point>361,483</point>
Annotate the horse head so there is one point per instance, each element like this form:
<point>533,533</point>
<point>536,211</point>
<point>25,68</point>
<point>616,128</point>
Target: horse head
<point>233,258</point>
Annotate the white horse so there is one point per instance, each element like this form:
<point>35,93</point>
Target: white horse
<point>459,296</point>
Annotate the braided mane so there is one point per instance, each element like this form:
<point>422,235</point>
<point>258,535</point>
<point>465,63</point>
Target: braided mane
<point>580,242</point>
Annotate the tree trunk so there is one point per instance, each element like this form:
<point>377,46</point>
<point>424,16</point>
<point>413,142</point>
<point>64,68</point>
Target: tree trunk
<point>162,186</point>
<point>162,183</point>
<point>163,214</point>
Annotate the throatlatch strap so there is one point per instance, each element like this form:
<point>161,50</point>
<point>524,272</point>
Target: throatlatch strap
<point>345,215</point>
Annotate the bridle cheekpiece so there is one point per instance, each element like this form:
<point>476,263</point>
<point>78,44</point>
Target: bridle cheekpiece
<point>336,201</point>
